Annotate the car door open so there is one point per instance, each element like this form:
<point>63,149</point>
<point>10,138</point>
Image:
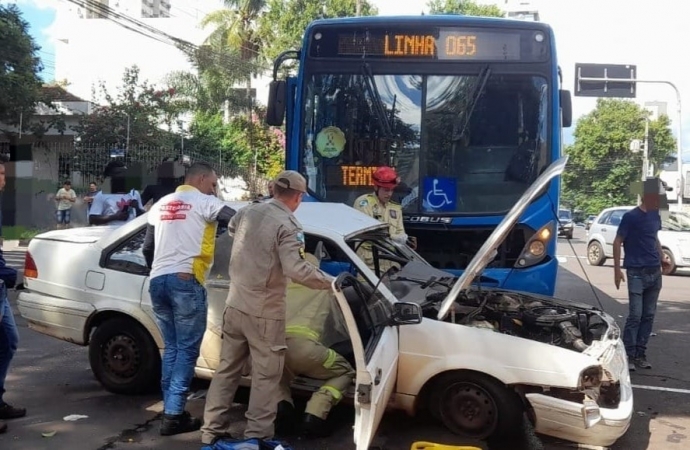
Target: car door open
<point>371,321</point>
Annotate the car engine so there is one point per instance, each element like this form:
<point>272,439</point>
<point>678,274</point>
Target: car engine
<point>524,316</point>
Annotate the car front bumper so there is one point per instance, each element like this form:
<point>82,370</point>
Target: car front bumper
<point>586,423</point>
<point>565,230</point>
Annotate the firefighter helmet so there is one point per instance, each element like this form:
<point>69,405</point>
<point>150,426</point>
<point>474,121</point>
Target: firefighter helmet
<point>385,177</point>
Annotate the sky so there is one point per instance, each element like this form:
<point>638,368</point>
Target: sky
<point>638,32</point>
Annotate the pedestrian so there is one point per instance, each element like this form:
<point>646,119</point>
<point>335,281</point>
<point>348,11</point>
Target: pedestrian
<point>94,190</point>
<point>178,247</point>
<point>644,259</point>
<point>9,335</point>
<point>268,248</point>
<point>65,199</point>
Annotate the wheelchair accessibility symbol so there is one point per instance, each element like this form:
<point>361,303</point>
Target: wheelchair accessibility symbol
<point>440,193</point>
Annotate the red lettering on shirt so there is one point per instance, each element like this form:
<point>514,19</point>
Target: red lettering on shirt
<point>174,210</point>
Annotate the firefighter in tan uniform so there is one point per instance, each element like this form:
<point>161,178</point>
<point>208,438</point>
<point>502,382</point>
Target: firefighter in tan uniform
<point>379,206</point>
<point>268,248</point>
<point>313,324</point>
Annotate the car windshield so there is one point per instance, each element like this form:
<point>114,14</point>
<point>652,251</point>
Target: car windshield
<point>677,221</point>
<point>564,214</point>
<point>463,144</point>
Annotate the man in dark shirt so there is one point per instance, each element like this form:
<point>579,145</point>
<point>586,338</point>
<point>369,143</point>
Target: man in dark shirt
<point>644,258</point>
<point>9,335</point>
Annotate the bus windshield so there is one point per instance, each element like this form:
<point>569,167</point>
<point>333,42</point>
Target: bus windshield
<point>462,144</point>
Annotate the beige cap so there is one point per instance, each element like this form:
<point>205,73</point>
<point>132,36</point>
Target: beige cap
<point>289,179</point>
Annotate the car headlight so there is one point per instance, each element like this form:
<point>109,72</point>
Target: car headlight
<point>591,377</point>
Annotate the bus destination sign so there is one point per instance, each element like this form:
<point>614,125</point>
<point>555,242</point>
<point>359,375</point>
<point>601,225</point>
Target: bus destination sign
<point>442,44</point>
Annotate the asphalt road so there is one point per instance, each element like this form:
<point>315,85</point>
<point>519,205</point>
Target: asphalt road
<point>53,380</point>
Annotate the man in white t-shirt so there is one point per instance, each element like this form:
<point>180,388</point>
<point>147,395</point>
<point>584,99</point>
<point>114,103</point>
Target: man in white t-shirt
<point>65,198</point>
<point>179,246</point>
<point>119,207</point>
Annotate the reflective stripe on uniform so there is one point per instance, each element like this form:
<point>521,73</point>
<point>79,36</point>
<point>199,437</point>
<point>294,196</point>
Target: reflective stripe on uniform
<point>336,394</point>
<point>297,330</point>
<point>330,359</point>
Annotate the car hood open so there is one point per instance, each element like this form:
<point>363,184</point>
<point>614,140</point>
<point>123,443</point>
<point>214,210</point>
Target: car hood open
<point>488,251</point>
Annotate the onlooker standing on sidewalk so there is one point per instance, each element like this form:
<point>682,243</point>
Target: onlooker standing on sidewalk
<point>93,192</point>
<point>179,247</point>
<point>644,258</point>
<point>65,198</point>
<point>268,248</point>
<point>9,335</point>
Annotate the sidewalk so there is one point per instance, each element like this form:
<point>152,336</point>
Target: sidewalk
<point>12,246</point>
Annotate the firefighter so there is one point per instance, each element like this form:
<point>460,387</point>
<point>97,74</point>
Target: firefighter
<point>380,206</point>
<point>312,325</point>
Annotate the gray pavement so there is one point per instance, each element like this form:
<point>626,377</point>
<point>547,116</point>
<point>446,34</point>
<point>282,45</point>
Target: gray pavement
<point>53,380</point>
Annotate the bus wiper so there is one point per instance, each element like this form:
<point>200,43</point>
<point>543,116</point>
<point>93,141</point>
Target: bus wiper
<point>377,106</point>
<point>478,91</point>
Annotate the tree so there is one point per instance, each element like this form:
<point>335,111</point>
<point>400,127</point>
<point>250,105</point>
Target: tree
<point>601,166</point>
<point>20,85</point>
<point>236,31</point>
<point>239,143</point>
<point>138,110</point>
<point>285,21</point>
<point>464,7</point>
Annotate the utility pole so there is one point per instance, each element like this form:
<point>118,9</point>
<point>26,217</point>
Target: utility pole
<point>359,8</point>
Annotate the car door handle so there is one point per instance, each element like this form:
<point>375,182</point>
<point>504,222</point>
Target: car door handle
<point>377,378</point>
<point>603,229</point>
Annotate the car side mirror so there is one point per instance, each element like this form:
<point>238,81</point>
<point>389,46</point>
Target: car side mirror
<point>406,314</point>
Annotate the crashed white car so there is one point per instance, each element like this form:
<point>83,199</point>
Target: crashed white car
<point>421,340</point>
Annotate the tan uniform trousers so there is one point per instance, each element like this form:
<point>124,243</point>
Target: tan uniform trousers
<point>311,359</point>
<point>263,340</point>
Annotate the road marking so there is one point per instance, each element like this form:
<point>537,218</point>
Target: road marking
<point>664,389</point>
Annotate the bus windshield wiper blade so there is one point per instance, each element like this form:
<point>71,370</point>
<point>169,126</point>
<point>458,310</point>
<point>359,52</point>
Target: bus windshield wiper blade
<point>377,106</point>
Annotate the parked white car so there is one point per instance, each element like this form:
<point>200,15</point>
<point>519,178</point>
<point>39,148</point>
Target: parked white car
<point>674,237</point>
<point>421,340</point>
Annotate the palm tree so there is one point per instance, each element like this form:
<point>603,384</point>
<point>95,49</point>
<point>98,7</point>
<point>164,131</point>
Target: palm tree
<point>236,30</point>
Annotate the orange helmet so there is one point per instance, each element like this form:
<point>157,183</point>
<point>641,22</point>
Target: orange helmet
<point>385,177</point>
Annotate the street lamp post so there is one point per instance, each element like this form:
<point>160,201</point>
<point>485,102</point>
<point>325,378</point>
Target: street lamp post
<point>127,141</point>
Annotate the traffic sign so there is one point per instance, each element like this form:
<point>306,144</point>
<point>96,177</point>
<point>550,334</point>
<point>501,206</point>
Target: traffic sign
<point>605,80</point>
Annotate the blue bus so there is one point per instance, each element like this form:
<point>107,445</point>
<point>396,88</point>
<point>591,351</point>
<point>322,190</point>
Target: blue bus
<point>468,110</point>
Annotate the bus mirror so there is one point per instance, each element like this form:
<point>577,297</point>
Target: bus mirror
<point>275,113</point>
<point>566,108</point>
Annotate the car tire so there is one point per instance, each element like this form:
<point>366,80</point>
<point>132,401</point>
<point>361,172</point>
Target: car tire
<point>476,406</point>
<point>672,269</point>
<point>124,357</point>
<point>569,235</point>
<point>595,254</point>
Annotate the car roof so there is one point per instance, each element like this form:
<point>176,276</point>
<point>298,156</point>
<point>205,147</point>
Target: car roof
<point>615,208</point>
<point>333,218</point>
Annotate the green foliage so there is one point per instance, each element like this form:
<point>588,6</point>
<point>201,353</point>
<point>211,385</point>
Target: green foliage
<point>20,85</point>
<point>137,106</point>
<point>464,7</point>
<point>284,22</point>
<point>601,166</point>
<point>238,142</point>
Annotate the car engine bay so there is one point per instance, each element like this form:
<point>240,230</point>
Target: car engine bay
<point>524,315</point>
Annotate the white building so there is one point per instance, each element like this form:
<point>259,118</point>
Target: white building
<point>91,48</point>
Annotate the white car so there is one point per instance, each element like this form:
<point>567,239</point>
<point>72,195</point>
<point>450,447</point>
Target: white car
<point>421,340</point>
<point>674,237</point>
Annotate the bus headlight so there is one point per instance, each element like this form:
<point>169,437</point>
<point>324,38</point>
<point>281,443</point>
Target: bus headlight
<point>535,249</point>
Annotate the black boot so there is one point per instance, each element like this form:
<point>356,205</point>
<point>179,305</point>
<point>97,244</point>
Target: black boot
<point>314,426</point>
<point>179,423</point>
<point>286,420</point>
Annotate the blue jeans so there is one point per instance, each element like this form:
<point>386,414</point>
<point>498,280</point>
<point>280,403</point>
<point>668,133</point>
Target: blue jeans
<point>180,306</point>
<point>644,285</point>
<point>9,337</point>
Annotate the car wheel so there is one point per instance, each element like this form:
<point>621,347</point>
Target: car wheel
<point>476,406</point>
<point>672,268</point>
<point>569,235</point>
<point>124,357</point>
<point>595,254</point>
